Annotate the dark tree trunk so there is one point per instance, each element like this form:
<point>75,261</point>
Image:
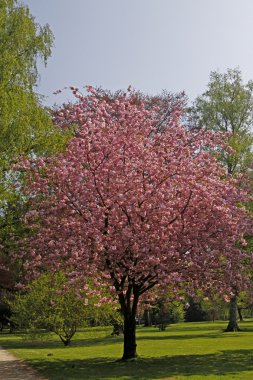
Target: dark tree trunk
<point>65,341</point>
<point>129,337</point>
<point>147,318</point>
<point>129,303</point>
<point>128,295</point>
<point>232,324</point>
<point>240,314</point>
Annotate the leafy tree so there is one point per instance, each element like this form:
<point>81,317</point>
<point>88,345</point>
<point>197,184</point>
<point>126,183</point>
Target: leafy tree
<point>54,304</point>
<point>227,106</point>
<point>134,205</point>
<point>215,307</point>
<point>50,303</point>
<point>107,314</point>
<point>165,311</point>
<point>194,312</point>
<point>25,126</point>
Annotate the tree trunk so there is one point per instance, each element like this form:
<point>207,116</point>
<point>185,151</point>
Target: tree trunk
<point>65,341</point>
<point>240,314</point>
<point>147,318</point>
<point>129,337</point>
<point>232,324</point>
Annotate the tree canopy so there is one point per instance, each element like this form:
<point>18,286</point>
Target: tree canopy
<point>227,106</point>
<point>139,205</point>
<point>25,125</point>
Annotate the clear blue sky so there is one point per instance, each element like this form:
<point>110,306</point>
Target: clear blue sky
<point>150,44</point>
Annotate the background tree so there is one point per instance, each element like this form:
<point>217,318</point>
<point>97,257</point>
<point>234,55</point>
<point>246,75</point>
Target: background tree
<point>135,204</point>
<point>227,106</point>
<point>50,303</point>
<point>194,311</point>
<point>25,126</point>
<point>53,304</point>
<point>164,311</point>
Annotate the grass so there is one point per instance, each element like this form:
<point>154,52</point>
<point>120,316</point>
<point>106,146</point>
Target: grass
<point>192,351</point>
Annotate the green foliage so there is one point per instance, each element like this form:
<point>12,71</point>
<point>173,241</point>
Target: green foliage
<point>107,314</point>
<point>245,305</point>
<point>53,304</point>
<point>165,312</point>
<point>214,308</point>
<point>11,226</point>
<point>162,311</point>
<point>194,312</point>
<point>249,237</point>
<point>176,312</point>
<point>50,304</point>
<point>227,106</point>
<point>25,126</point>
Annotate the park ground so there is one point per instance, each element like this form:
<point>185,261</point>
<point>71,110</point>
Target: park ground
<point>192,351</point>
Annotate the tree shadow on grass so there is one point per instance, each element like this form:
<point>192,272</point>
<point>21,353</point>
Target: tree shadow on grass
<point>217,335</point>
<point>40,344</point>
<point>104,341</point>
<point>109,340</point>
<point>230,362</point>
<point>207,326</point>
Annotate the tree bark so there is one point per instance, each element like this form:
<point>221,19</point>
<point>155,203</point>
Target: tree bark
<point>66,342</point>
<point>129,337</point>
<point>240,314</point>
<point>232,324</point>
<point>147,318</point>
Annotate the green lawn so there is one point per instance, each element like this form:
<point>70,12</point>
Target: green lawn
<point>184,351</point>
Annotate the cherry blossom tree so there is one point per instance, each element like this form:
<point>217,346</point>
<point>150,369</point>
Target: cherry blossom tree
<point>135,200</point>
